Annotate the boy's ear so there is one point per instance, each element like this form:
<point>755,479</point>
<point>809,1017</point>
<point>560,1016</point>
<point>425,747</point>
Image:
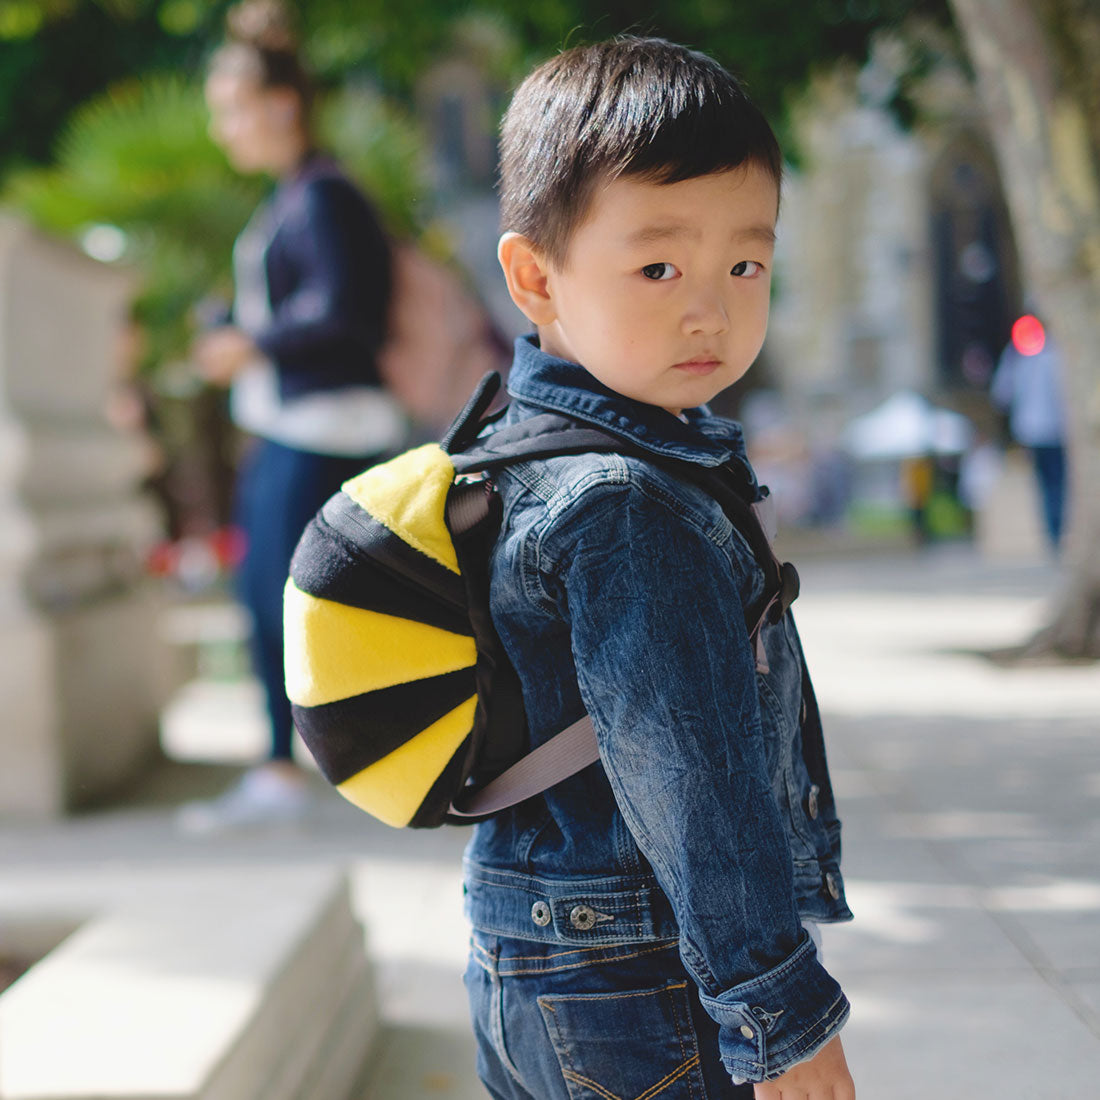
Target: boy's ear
<point>525,272</point>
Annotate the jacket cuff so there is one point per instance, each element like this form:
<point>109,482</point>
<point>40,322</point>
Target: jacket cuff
<point>778,1019</point>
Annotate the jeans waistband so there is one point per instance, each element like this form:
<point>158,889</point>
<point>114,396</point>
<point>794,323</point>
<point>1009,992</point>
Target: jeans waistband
<point>574,910</point>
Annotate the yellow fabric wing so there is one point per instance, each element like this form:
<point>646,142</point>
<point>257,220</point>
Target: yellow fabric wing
<point>334,651</point>
<point>393,788</point>
<point>408,495</point>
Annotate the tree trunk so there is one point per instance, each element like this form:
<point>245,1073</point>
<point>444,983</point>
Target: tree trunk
<point>1039,81</point>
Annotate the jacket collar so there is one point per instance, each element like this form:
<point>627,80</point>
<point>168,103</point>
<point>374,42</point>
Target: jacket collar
<point>557,385</point>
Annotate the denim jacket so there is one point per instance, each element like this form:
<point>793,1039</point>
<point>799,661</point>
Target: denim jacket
<point>619,589</point>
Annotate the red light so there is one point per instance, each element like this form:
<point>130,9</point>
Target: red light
<point>1028,335</point>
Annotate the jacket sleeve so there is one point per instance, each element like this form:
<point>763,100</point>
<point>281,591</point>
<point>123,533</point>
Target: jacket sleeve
<point>341,279</point>
<point>665,670</point>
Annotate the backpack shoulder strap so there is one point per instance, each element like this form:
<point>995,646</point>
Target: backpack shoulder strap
<point>563,755</point>
<point>544,436</point>
<point>472,420</point>
<point>782,581</point>
<point>549,435</point>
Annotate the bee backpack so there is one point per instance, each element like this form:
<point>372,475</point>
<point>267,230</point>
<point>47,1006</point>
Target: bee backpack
<point>399,685</point>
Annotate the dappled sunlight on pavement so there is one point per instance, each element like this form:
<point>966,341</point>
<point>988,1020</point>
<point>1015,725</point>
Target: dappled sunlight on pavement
<point>970,795</point>
<point>971,808</point>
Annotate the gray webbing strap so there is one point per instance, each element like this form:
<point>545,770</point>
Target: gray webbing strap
<point>764,511</point>
<point>565,754</point>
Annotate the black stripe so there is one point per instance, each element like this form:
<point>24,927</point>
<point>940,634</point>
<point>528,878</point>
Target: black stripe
<point>434,809</point>
<point>327,565</point>
<point>395,555</point>
<point>351,734</point>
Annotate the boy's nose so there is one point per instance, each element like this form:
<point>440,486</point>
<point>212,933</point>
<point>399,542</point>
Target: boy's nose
<point>707,317</point>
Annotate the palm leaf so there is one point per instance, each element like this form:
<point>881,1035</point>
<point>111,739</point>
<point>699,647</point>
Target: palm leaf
<point>139,158</point>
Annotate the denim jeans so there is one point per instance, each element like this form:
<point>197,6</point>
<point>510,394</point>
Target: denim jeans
<point>614,1022</point>
<point>278,491</point>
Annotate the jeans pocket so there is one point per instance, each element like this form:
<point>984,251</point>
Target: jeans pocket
<point>626,1045</point>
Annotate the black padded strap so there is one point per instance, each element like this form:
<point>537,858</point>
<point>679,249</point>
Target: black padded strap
<point>549,435</point>
<point>472,419</point>
<point>543,436</point>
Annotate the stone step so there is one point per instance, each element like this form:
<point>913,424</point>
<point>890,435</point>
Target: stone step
<point>201,991</point>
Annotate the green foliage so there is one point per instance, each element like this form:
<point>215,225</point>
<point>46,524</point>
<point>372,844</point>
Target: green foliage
<point>138,159</point>
<point>65,52</point>
<point>121,154</point>
<point>20,19</point>
<point>57,53</point>
<point>773,46</point>
<point>393,41</point>
<point>381,147</point>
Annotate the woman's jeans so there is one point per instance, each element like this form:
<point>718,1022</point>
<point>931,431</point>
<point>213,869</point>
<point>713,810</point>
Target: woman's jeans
<point>278,492</point>
<point>618,1022</point>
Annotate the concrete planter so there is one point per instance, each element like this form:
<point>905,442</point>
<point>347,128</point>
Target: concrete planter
<point>81,676</point>
<point>218,986</point>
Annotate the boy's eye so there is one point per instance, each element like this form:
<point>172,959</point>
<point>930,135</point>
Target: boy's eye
<point>659,272</point>
<point>746,269</point>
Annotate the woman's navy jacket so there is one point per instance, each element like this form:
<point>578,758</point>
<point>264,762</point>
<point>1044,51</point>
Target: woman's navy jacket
<point>328,277</point>
<point>619,589</point>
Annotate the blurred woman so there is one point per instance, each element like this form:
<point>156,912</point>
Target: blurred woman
<point>312,275</point>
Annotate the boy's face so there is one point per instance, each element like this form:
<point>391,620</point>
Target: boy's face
<point>663,294</point>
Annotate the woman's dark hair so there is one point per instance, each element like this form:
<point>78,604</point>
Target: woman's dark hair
<point>625,107</point>
<point>262,45</point>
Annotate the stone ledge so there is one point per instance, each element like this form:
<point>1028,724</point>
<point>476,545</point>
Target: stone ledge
<point>211,990</point>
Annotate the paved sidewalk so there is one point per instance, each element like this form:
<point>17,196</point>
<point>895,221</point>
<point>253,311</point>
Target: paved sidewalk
<point>971,800</point>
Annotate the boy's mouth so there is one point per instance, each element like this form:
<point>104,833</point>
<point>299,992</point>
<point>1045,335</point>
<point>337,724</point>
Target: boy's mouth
<point>701,364</point>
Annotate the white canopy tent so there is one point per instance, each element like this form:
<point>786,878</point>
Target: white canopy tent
<point>907,425</point>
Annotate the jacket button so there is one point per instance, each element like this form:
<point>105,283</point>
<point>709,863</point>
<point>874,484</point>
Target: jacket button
<point>540,913</point>
<point>832,886</point>
<point>748,1031</point>
<point>812,807</point>
<point>582,917</point>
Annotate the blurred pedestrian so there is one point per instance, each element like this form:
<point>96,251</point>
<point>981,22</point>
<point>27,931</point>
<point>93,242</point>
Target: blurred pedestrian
<point>312,275</point>
<point>1028,385</point>
<point>980,468</point>
<point>918,483</point>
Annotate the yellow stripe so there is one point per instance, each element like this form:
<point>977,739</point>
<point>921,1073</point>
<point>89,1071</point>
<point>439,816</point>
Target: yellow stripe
<point>408,494</point>
<point>333,651</point>
<point>393,788</point>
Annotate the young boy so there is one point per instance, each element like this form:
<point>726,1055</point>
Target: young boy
<point>646,927</point>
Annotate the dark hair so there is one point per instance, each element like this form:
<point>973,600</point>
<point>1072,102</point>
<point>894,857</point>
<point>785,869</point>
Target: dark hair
<point>262,45</point>
<point>625,107</point>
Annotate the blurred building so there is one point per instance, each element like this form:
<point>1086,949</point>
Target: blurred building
<point>897,266</point>
<point>896,270</point>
